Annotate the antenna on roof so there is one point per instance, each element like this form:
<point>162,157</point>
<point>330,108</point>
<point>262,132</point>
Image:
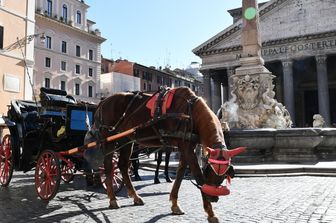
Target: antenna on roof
<point>111,52</point>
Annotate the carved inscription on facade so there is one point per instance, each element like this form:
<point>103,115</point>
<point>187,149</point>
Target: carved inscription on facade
<point>319,45</point>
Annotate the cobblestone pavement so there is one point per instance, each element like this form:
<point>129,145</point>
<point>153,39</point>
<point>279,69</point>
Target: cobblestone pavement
<point>255,199</point>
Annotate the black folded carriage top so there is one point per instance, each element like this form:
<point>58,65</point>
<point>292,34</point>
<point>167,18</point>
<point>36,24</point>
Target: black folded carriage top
<point>55,97</point>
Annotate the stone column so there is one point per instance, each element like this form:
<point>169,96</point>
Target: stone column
<point>230,73</point>
<point>289,101</point>
<point>207,86</point>
<point>323,87</point>
<point>216,93</point>
<point>225,95</point>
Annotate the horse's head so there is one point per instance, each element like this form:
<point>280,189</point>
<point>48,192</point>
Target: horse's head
<point>217,168</point>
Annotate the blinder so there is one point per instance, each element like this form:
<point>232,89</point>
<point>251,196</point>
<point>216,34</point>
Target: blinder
<point>219,160</point>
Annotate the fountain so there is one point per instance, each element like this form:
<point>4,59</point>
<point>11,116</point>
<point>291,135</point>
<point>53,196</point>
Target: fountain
<point>257,120</point>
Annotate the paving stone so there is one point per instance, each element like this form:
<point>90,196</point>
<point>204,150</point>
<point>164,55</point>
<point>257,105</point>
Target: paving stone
<point>255,199</point>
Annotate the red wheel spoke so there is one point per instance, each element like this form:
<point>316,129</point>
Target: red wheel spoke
<point>6,163</point>
<point>47,175</point>
<point>43,163</point>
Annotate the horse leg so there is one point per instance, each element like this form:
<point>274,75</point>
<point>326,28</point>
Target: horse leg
<point>176,210</point>
<point>109,188</point>
<point>124,157</point>
<point>208,209</point>
<point>136,164</point>
<point>167,166</point>
<point>158,163</point>
<point>197,173</point>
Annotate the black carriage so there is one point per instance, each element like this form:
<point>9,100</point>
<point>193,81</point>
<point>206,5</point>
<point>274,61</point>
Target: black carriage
<point>39,132</point>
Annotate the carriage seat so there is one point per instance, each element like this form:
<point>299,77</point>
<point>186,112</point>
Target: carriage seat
<point>30,120</point>
<point>54,97</point>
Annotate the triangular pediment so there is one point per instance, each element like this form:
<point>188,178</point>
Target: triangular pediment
<point>279,19</point>
<point>77,80</point>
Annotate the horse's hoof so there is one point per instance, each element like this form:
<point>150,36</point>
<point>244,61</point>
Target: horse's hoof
<point>168,180</point>
<point>213,220</point>
<point>156,180</point>
<point>177,211</point>
<point>139,202</point>
<point>113,205</point>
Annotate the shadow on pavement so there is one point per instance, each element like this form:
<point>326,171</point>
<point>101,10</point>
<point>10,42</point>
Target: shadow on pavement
<point>156,218</point>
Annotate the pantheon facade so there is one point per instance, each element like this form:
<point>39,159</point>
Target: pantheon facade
<point>298,47</point>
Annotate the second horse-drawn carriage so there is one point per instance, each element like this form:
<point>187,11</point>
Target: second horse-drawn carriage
<point>40,132</point>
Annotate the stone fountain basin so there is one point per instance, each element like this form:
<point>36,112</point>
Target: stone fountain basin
<point>295,145</point>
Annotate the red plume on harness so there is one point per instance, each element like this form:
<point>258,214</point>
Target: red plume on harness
<point>220,161</point>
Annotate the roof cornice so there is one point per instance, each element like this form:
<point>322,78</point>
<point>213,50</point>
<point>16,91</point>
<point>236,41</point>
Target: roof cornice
<point>64,25</point>
<point>274,42</point>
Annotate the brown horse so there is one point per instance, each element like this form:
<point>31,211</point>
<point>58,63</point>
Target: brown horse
<point>125,111</point>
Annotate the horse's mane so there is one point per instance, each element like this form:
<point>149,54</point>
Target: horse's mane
<point>207,125</point>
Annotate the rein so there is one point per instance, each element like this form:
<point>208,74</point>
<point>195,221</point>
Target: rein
<point>114,127</point>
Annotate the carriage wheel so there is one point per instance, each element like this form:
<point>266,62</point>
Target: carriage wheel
<point>68,170</point>
<point>47,175</point>
<point>6,161</point>
<point>117,181</point>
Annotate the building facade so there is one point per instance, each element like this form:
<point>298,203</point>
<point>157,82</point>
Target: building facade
<point>151,78</point>
<point>299,48</point>
<point>114,82</point>
<point>16,50</point>
<point>70,58</point>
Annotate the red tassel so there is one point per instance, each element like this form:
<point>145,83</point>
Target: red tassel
<point>236,151</point>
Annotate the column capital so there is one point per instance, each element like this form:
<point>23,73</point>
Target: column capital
<point>287,63</point>
<point>321,59</point>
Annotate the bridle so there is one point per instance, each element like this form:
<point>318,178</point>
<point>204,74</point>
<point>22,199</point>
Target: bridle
<point>219,161</point>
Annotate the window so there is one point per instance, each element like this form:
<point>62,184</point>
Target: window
<point>1,37</point>
<point>65,13</point>
<point>90,54</point>
<point>144,86</point>
<point>64,47</point>
<point>48,42</point>
<point>159,80</point>
<point>46,82</point>
<point>79,17</point>
<point>63,65</point>
<point>149,87</point>
<point>63,85</point>
<point>136,73</point>
<point>78,51</point>
<point>147,76</point>
<point>47,62</point>
<point>77,89</point>
<point>49,8</point>
<point>90,91</point>
<point>90,72</point>
<point>77,69</point>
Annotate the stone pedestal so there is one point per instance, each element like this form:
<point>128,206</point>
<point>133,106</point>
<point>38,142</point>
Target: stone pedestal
<point>252,104</point>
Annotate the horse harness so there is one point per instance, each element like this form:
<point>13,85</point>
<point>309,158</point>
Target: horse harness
<point>158,105</point>
<point>159,102</point>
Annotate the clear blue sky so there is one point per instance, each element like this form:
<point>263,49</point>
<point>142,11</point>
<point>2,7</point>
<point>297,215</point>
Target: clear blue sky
<point>159,32</point>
